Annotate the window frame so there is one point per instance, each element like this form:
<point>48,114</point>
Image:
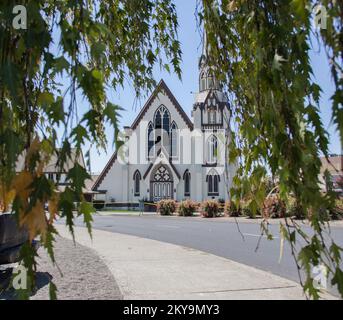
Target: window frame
<point>174,141</point>
<point>212,149</point>
<point>137,179</point>
<point>187,180</point>
<point>213,181</point>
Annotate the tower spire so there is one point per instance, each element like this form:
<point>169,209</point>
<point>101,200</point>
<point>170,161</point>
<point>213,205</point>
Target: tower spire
<point>204,54</point>
<point>204,44</point>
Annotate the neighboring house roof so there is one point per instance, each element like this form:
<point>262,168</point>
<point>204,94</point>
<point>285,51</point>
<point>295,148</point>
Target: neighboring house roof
<point>61,188</point>
<point>162,87</point>
<point>89,183</point>
<point>51,167</point>
<point>334,165</point>
<point>87,188</point>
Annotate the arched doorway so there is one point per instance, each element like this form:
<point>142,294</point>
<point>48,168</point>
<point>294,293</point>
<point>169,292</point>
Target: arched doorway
<point>161,184</point>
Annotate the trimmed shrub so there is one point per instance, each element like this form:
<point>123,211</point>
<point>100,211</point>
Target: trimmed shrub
<point>187,208</point>
<point>274,207</point>
<point>231,209</point>
<point>166,207</point>
<point>221,206</point>
<point>210,209</point>
<point>247,212</point>
<point>336,213</point>
<point>247,209</point>
<point>339,203</point>
<point>294,209</point>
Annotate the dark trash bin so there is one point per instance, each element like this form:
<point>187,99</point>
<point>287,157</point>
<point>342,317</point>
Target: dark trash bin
<point>11,239</point>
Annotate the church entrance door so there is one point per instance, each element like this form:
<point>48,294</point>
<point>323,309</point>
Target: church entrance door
<point>161,185</point>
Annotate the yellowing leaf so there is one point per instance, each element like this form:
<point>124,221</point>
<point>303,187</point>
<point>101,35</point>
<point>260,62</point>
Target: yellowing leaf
<point>6,197</point>
<point>53,207</point>
<point>21,184</point>
<point>232,5</point>
<point>34,220</point>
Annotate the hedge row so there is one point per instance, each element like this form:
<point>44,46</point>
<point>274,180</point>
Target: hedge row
<point>273,207</point>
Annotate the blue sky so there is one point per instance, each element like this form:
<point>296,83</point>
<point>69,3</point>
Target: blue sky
<point>191,47</point>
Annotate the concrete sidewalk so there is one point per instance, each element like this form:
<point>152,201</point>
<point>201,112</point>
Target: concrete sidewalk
<point>149,269</point>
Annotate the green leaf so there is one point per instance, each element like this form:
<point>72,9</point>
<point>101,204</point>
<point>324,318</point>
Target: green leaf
<point>80,135</point>
<point>77,176</point>
<point>338,280</point>
<point>52,291</point>
<point>87,209</point>
<point>66,206</point>
<point>61,64</point>
<point>9,74</point>
<point>98,49</point>
<point>45,99</point>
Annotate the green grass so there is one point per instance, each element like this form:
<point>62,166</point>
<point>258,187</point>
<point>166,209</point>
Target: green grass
<point>118,211</point>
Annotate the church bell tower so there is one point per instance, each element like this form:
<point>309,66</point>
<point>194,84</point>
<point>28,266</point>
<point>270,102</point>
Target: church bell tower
<point>210,110</point>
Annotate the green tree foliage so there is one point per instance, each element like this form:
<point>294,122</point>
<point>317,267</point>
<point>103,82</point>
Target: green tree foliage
<point>260,51</point>
<point>92,46</point>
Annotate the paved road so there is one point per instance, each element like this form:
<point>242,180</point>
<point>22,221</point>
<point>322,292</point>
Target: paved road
<point>219,237</point>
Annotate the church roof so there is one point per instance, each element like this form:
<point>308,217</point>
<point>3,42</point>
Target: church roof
<point>162,87</point>
<point>104,172</point>
<point>201,98</point>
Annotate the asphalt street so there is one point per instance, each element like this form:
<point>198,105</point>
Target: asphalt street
<point>220,237</point>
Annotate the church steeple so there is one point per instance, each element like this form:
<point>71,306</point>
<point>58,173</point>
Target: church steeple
<point>203,58</point>
<point>210,107</point>
<point>207,80</point>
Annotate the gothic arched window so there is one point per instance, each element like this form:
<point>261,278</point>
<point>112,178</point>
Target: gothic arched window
<point>203,82</point>
<point>162,118</point>
<point>162,175</point>
<point>174,140</point>
<point>166,121</point>
<point>213,180</point>
<point>187,181</point>
<point>162,126</point>
<point>151,139</point>
<point>158,120</point>
<point>210,81</point>
<point>137,183</point>
<point>212,149</point>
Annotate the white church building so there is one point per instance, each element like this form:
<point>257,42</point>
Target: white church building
<point>166,155</point>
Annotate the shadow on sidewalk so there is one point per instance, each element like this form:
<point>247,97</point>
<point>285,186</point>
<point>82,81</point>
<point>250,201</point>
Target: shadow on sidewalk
<point>8,293</point>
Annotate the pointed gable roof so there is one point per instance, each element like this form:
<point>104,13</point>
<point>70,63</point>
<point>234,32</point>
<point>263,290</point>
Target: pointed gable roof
<point>104,172</point>
<point>162,87</point>
<point>157,160</point>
